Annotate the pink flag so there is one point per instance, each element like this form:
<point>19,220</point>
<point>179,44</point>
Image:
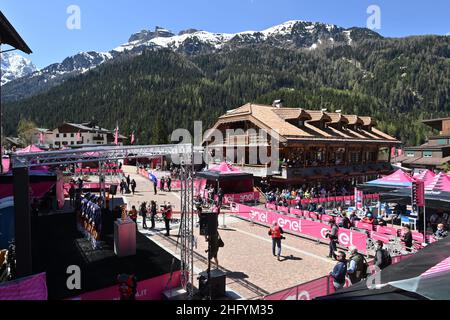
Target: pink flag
<point>41,138</point>
<point>393,152</point>
<point>400,152</point>
<point>132,138</point>
<point>116,139</point>
<point>79,136</point>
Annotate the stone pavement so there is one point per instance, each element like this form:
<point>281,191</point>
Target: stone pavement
<point>252,271</point>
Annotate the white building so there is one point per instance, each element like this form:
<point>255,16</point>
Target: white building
<point>73,134</point>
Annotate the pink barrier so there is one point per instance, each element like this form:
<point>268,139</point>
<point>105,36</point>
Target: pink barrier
<point>150,289</point>
<point>307,291</point>
<point>316,288</point>
<point>297,212</point>
<point>387,230</point>
<point>31,288</point>
<point>271,206</point>
<point>283,209</point>
<point>380,236</point>
<point>302,227</point>
<point>363,225</point>
<point>326,218</point>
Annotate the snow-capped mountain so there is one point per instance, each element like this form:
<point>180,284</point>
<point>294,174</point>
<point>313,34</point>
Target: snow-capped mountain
<point>290,35</point>
<point>15,66</point>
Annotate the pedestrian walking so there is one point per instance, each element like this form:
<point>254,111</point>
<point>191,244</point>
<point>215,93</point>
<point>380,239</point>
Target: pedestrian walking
<point>133,186</point>
<point>276,232</point>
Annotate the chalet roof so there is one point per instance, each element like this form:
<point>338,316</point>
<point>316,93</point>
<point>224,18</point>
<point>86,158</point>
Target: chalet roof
<point>354,119</point>
<point>435,123</point>
<point>318,116</point>
<point>368,121</point>
<point>270,117</point>
<point>337,118</point>
<point>291,113</point>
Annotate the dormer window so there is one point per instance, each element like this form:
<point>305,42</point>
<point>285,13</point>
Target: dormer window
<point>301,123</point>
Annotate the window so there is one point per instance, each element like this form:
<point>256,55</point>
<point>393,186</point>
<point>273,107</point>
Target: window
<point>71,142</point>
<point>427,154</point>
<point>57,135</point>
<point>442,141</point>
<point>410,154</point>
<point>65,135</point>
<point>72,135</point>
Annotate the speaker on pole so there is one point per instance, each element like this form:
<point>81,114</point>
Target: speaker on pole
<point>209,223</point>
<point>113,189</point>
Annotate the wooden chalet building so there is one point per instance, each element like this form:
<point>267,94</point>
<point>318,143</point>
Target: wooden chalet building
<point>313,145</point>
<point>434,154</point>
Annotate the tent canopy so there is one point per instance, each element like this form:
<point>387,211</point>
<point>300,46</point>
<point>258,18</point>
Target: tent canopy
<point>398,179</point>
<point>425,275</point>
<point>224,172</point>
<point>426,176</point>
<point>30,149</point>
<point>440,183</point>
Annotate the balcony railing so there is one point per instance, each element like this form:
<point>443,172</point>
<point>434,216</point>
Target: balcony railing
<point>245,140</point>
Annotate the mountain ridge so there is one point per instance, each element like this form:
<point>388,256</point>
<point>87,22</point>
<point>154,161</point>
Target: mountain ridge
<point>294,34</point>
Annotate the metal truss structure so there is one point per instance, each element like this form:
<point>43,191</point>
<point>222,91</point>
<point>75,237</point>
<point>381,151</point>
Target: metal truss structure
<point>187,224</point>
<point>27,160</point>
<point>183,153</point>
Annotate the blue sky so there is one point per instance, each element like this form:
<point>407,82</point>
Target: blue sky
<point>105,24</point>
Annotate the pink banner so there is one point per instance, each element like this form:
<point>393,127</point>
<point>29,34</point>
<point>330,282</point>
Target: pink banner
<point>271,206</point>
<point>301,227</point>
<point>31,288</point>
<point>241,197</point>
<point>151,289</point>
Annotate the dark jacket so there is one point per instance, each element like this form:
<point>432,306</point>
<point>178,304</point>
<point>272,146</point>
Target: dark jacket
<point>346,223</point>
<point>339,272</point>
<point>408,239</point>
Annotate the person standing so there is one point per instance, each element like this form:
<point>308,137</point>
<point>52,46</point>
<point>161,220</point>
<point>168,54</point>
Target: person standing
<point>143,213</point>
<point>276,232</point>
<point>167,215</point>
<point>339,271</point>
<point>382,256</point>
<point>133,214</point>
<point>407,238</point>
<point>153,213</point>
<point>357,266</point>
<point>214,243</point>
<point>169,184</point>
<point>346,223</point>
<point>133,186</point>
<point>155,187</point>
<point>72,192</point>
<point>334,240</point>
<point>128,181</point>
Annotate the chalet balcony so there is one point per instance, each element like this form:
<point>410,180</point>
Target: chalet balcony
<point>246,140</point>
<point>328,171</point>
<point>98,138</point>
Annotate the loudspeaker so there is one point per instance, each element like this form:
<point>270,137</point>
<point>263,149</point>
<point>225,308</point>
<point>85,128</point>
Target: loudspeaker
<point>113,189</point>
<point>209,222</point>
<point>216,286</point>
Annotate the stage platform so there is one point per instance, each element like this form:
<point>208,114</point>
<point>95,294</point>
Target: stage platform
<point>57,244</point>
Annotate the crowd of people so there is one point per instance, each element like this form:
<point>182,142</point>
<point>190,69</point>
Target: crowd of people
<point>306,191</point>
<point>128,186</point>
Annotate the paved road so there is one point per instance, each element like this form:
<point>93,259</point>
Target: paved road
<point>247,258</point>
